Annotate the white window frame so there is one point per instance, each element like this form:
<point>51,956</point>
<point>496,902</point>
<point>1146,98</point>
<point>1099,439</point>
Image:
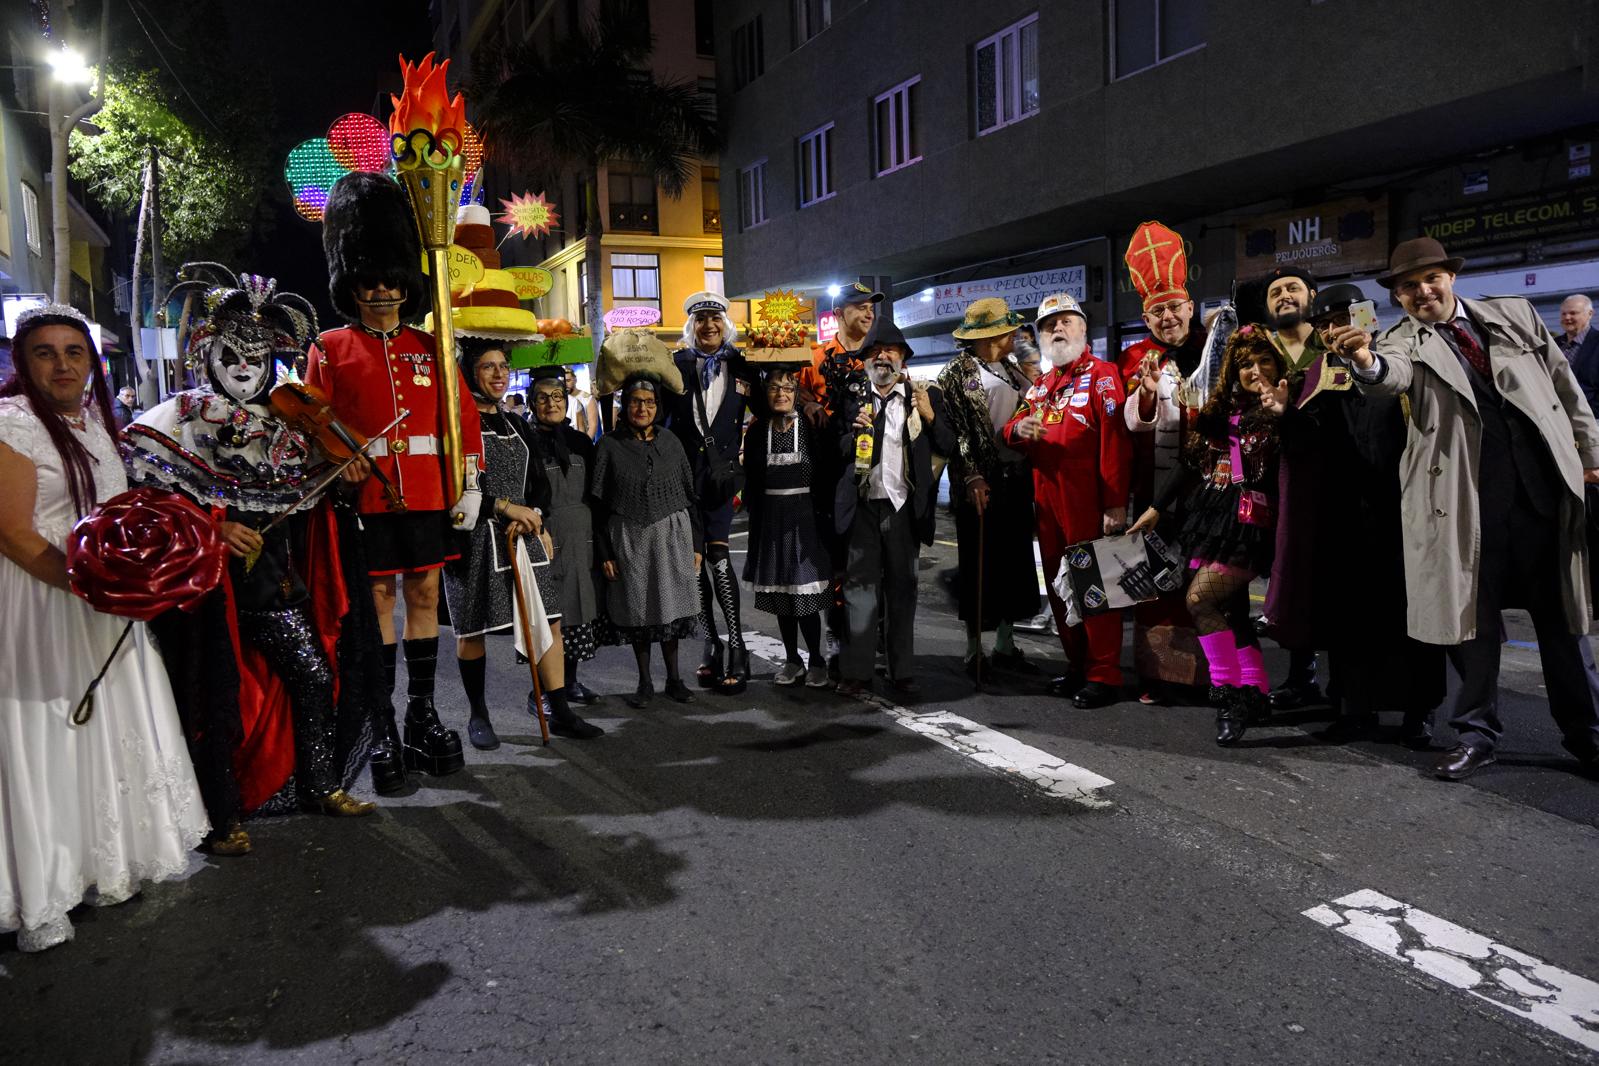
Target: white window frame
<point>627,268</point>
<point>715,276</point>
<point>900,119</point>
<point>752,195</point>
<point>803,30</point>
<point>815,157</point>
<point>1007,45</point>
<point>1117,74</point>
<point>30,219</point>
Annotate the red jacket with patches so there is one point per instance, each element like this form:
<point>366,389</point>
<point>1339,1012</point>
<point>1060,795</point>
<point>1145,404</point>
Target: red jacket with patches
<point>1082,466</point>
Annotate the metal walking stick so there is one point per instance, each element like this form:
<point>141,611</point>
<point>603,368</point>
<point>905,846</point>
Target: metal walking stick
<point>527,637</point>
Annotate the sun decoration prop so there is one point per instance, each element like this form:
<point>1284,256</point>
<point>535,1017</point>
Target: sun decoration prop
<point>779,321</point>
<point>528,215</point>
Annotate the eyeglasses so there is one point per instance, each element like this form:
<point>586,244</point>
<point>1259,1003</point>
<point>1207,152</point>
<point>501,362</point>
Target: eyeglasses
<point>1174,309</point>
<point>550,399</point>
<point>786,390</point>
<point>641,401</point>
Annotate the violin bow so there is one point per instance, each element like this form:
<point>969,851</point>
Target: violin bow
<point>332,475</point>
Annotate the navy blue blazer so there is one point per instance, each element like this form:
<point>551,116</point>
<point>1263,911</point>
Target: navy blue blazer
<point>1585,365</point>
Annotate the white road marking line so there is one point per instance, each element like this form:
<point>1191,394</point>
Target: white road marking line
<point>1525,986</point>
<point>987,747</point>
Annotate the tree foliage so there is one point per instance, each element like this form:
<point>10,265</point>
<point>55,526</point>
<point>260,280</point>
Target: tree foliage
<point>207,198</point>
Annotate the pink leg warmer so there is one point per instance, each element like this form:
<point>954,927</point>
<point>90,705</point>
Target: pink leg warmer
<point>1221,652</point>
<point>1252,668</point>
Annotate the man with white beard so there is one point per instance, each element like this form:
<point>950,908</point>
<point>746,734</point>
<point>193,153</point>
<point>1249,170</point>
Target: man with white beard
<point>1070,426</point>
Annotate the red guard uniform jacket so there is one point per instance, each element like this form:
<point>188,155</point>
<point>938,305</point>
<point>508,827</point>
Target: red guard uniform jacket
<point>1083,464</point>
<point>369,379</point>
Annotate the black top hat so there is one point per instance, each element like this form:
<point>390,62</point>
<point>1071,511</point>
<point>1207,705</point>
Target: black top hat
<point>368,235</point>
<point>1414,254</point>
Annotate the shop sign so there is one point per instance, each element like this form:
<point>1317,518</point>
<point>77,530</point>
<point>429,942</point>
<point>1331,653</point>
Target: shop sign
<point>1341,237</point>
<point>826,327</point>
<point>1021,292</point>
<point>1534,216</point>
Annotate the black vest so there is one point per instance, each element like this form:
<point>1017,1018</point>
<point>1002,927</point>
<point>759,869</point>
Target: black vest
<point>1513,453</point>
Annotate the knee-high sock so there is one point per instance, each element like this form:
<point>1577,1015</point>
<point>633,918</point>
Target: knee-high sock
<point>726,586</point>
<point>391,653</point>
<point>473,674</point>
<point>1221,653</point>
<point>421,660</point>
<point>1252,667</point>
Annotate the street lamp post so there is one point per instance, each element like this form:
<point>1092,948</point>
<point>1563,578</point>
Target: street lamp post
<point>69,68</point>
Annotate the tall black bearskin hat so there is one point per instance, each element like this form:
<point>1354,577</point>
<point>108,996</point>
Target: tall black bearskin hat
<point>368,235</point>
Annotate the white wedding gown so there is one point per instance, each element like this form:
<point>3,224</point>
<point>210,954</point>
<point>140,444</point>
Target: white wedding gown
<point>107,805</point>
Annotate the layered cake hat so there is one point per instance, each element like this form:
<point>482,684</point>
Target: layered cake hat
<point>490,308</point>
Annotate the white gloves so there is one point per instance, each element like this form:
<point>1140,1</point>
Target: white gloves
<point>463,515</point>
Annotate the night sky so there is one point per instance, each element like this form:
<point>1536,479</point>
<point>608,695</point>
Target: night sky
<point>331,57</point>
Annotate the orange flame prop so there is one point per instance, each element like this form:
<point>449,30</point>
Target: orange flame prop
<point>424,103</point>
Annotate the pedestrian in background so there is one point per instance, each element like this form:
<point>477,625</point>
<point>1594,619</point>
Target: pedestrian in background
<point>788,564</point>
<point>1492,485</point>
<point>884,509</point>
<point>647,535</point>
<point>1580,343</point>
<point>126,407</point>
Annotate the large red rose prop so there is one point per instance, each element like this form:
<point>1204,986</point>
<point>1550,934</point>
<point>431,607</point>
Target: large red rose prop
<point>144,552</point>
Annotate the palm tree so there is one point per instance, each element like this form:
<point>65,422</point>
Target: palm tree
<point>592,101</point>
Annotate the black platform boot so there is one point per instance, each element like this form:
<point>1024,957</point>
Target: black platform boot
<point>737,677</point>
<point>429,746</point>
<point>388,764</point>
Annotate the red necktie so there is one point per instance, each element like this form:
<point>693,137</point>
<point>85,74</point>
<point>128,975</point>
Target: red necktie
<point>1468,347</point>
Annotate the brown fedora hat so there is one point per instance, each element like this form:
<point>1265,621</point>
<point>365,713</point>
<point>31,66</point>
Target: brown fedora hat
<point>1414,254</point>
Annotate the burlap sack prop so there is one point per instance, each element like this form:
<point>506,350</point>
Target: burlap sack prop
<point>628,351</point>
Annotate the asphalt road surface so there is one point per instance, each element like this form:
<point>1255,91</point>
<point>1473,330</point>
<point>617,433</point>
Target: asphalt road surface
<point>796,877</point>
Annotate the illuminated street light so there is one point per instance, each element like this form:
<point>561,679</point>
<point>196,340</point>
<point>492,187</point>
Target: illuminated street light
<point>69,67</point>
<point>927,296</point>
<point>833,291</point>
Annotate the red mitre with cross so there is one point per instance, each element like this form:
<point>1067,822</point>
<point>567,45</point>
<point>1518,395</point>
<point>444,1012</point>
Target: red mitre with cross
<point>1158,264</point>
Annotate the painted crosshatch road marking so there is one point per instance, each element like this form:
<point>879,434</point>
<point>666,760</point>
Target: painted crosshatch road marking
<point>989,748</point>
<point>1509,979</point>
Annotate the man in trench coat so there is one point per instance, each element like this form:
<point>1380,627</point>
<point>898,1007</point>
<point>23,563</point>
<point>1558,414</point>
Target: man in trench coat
<point>1500,442</point>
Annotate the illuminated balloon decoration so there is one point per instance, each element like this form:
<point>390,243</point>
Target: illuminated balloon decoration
<point>360,142</point>
<point>528,215</point>
<point>311,171</point>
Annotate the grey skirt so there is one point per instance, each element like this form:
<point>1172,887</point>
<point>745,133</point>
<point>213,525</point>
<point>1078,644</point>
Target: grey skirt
<point>656,583</point>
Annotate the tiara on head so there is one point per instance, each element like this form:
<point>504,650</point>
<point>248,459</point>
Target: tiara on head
<point>28,317</point>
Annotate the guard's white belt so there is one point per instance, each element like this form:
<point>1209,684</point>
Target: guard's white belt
<point>801,491</point>
<point>424,445</point>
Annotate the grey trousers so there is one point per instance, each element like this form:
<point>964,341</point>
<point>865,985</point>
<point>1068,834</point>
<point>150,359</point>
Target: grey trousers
<point>882,556</point>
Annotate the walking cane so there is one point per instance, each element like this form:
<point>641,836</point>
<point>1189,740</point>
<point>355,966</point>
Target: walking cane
<point>982,529</point>
<point>527,638</point>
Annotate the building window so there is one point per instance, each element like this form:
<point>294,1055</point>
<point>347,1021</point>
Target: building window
<point>30,219</point>
<point>635,280</point>
<point>816,166</point>
<point>714,278</point>
<point>1145,33</point>
<point>711,198</point>
<point>749,53</point>
<point>632,198</point>
<point>752,195</point>
<point>704,28</point>
<point>810,18</point>
<point>582,291</point>
<point>1007,75</point>
<point>895,122</point>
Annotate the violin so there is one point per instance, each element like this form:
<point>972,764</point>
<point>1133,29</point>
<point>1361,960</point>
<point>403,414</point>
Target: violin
<point>309,410</point>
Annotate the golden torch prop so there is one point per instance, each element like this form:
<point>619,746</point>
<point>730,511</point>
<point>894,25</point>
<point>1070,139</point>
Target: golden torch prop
<point>427,138</point>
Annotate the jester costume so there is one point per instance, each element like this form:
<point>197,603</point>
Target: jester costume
<point>273,674</point>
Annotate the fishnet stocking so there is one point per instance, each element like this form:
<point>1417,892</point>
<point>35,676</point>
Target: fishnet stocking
<point>1218,600</point>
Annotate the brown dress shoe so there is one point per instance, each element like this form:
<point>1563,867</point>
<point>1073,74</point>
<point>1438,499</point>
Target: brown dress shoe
<point>1461,761</point>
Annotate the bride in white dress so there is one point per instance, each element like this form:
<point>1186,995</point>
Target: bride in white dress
<point>87,813</point>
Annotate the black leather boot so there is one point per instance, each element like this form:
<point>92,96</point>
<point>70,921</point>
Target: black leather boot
<point>1233,717</point>
<point>564,722</point>
<point>429,747</point>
